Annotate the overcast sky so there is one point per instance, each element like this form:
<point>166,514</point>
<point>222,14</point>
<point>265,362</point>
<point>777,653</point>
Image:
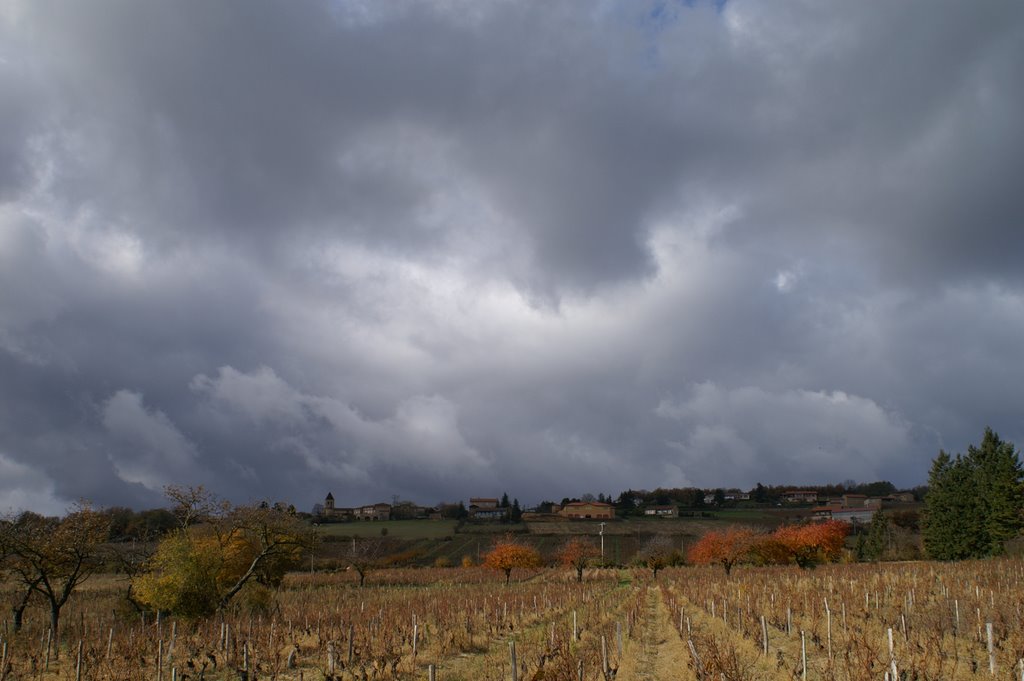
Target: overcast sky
<point>451,249</point>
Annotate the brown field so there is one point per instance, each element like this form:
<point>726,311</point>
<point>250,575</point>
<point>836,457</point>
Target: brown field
<point>690,623</point>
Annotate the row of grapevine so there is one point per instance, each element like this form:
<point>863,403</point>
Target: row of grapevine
<point>917,620</point>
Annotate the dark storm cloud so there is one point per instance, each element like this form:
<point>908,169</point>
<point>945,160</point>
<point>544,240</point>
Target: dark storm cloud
<point>447,249</point>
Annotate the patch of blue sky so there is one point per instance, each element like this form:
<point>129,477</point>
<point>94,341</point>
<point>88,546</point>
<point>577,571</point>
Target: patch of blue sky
<point>663,14</point>
<point>636,58</point>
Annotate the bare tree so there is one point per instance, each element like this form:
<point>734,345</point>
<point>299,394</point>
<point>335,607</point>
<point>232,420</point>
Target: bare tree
<point>365,555</point>
<point>7,562</point>
<point>194,504</point>
<point>657,554</point>
<point>53,556</point>
<point>578,553</point>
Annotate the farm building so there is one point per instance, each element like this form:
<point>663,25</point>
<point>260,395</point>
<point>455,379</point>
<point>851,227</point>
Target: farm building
<point>854,516</point>
<point>485,508</point>
<point>373,512</point>
<point>581,510</point>
<point>854,500</point>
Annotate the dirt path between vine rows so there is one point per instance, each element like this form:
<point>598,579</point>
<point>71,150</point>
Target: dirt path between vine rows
<point>658,653</point>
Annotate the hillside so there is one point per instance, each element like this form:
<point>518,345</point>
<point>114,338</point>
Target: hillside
<point>429,542</point>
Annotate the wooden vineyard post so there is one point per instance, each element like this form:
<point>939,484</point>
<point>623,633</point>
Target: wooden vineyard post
<point>46,662</point>
<point>618,637</point>
<point>575,629</point>
<point>431,674</point>
<point>110,641</point>
<point>415,636</point>
<point>604,656</point>
<point>512,656</point>
<point>828,620</point>
<point>78,662</point>
<point>351,632</point>
<point>892,657</point>
<point>696,660</point>
<point>991,650</point>
<point>803,656</point>
<point>764,635</point>
<point>159,659</point>
<point>579,671</point>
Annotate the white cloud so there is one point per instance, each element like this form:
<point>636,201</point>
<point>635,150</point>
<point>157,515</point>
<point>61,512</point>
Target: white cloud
<point>785,280</point>
<point>260,395</point>
<point>153,451</point>
<point>786,436</point>
<point>422,432</point>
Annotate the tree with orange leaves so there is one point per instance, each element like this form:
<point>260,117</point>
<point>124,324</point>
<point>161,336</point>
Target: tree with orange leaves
<point>508,555</point>
<point>577,554</point>
<point>727,548</point>
<point>809,544</point>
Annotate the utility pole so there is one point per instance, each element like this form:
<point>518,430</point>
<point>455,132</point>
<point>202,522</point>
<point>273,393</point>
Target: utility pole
<point>312,549</point>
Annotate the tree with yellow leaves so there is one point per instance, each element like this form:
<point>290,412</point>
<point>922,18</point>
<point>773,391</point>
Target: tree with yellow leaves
<point>218,551</point>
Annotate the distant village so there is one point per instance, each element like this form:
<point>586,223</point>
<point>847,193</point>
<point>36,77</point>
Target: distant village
<point>828,503</point>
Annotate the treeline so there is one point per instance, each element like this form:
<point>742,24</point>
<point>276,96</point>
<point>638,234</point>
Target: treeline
<point>125,525</point>
<point>119,524</point>
<point>632,502</point>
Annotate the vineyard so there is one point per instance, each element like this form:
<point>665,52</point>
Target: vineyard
<point>862,621</point>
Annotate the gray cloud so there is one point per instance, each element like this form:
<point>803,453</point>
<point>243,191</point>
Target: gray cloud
<point>443,249</point>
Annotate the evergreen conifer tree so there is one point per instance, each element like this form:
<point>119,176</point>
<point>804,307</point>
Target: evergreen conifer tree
<point>974,503</point>
<point>998,473</point>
